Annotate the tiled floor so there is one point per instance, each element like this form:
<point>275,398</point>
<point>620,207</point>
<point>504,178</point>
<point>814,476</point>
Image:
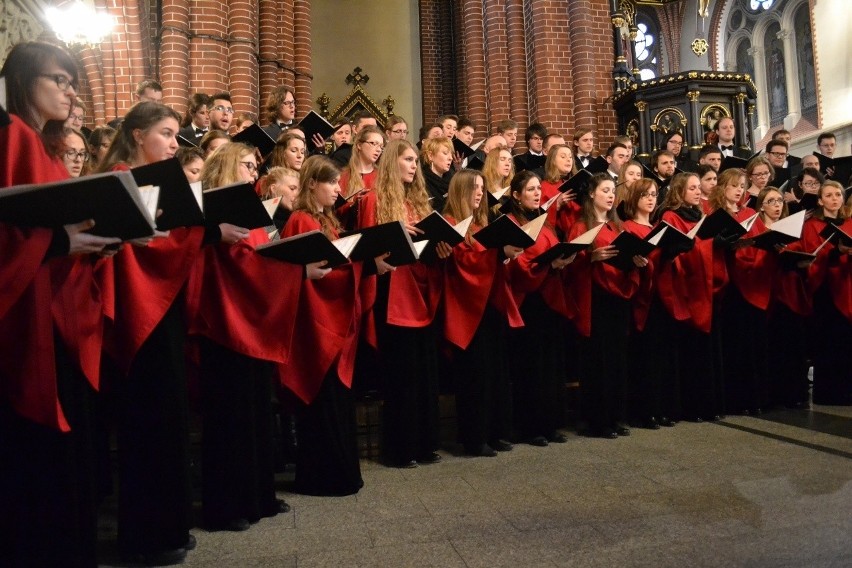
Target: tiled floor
<point>772,491</point>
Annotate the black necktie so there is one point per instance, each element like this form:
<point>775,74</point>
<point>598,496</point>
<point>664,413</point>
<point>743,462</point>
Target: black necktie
<point>731,148</point>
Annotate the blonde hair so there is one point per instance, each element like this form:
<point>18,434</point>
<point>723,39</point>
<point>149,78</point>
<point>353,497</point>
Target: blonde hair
<point>318,169</point>
<point>431,146</point>
<point>393,193</point>
<point>717,194</point>
<point>353,168</point>
<point>551,173</point>
<point>493,180</point>
<point>458,199</point>
<point>273,176</point>
<point>223,165</point>
<point>819,212</point>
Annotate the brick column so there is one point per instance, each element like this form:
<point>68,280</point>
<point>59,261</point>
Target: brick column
<point>174,54</point>
<point>286,45</point>
<point>242,34</point>
<point>133,42</point>
<point>549,63</point>
<point>497,62</point>
<point>473,72</point>
<point>268,49</point>
<point>208,55</point>
<point>518,90</point>
<point>91,61</point>
<point>302,60</point>
<point>431,75</point>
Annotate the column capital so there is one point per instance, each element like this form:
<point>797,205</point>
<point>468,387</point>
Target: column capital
<point>693,96</point>
<point>755,51</point>
<point>784,34</point>
<point>641,106</point>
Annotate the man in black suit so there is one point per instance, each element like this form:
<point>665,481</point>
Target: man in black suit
<point>727,133</point>
<point>584,144</point>
<point>359,120</point>
<point>199,111</point>
<point>534,157</point>
<point>784,136</point>
<point>280,111</point>
<point>616,156</point>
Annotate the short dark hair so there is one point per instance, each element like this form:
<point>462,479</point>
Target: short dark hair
<point>223,96</point>
<point>612,148</point>
<point>655,157</point>
<point>148,84</point>
<point>779,132</point>
<point>507,124</point>
<point>825,136</point>
<point>707,150</point>
<point>444,117</point>
<point>535,129</point>
<point>773,143</point>
<point>464,123</point>
<point>718,122</point>
<point>361,115</point>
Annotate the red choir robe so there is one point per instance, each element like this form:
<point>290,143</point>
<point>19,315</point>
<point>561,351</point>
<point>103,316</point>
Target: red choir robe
<point>38,295</point>
<point>584,274</point>
<point>644,295</point>
<point>142,284</point>
<point>837,272</point>
<point>414,290</point>
<point>244,301</point>
<point>564,217</point>
<point>528,277</point>
<point>327,319</point>
<point>475,277</point>
<point>752,269</point>
<point>685,284</point>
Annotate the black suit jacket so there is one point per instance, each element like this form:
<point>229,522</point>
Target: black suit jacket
<point>190,134</point>
<point>275,130</point>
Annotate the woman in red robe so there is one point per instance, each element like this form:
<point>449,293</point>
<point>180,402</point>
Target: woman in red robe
<point>558,168</point>
<point>539,376</point>
<point>602,293</point>
<point>320,374</point>
<point>650,394</point>
<point>684,280</point>
<point>742,317</point>
<point>50,305</point>
<point>146,335</point>
<point>478,309</point>
<point>404,310</point>
<point>831,284</point>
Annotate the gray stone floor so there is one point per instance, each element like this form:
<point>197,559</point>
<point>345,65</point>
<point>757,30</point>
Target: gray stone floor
<point>769,491</point>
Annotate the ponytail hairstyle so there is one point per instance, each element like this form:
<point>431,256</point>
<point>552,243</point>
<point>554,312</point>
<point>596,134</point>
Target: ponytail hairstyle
<point>142,116</point>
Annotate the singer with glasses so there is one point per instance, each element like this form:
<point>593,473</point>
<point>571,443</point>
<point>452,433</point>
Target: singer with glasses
<point>76,155</point>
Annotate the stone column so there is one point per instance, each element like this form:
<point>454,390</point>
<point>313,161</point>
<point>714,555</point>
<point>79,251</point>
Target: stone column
<point>695,137</point>
<point>757,53</point>
<point>791,76</point>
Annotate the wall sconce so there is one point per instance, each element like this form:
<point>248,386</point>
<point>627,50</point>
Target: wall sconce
<point>78,23</point>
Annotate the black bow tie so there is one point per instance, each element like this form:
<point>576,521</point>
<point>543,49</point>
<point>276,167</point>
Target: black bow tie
<point>731,148</point>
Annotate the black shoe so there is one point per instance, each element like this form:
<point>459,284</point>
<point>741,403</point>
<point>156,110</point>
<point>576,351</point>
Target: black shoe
<point>483,451</point>
<point>649,424</point>
<point>163,558</point>
<point>410,464</point>
<point>234,525</point>
<point>714,418</point>
<point>696,419</point>
<point>432,457</point>
<point>557,437</point>
<point>606,433</point>
<point>622,431</point>
<point>277,507</point>
<point>501,445</point>
<point>666,421</point>
<point>191,543</point>
<point>539,441</point>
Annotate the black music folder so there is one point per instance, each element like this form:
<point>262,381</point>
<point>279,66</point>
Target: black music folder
<point>311,247</point>
<point>628,245</point>
<point>178,202</point>
<point>237,204</point>
<point>255,136</point>
<point>312,124</point>
<point>112,199</point>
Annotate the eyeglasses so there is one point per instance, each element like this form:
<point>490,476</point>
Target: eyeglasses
<point>760,175</point>
<point>674,143</point>
<point>250,166</point>
<point>226,110</point>
<point>375,144</point>
<point>76,117</point>
<point>403,132</point>
<point>649,194</point>
<point>62,81</point>
<point>778,154</point>
<point>812,183</point>
<point>289,103</point>
<point>774,201</point>
<point>73,155</point>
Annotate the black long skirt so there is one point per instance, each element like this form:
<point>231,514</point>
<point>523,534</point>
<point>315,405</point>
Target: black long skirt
<point>483,390</point>
<point>48,480</point>
<point>238,469</point>
<point>409,362</point>
<point>154,506</point>
<point>327,461</point>
<point>699,386</point>
<point>649,395</point>
<point>744,353</point>
<point>538,370</point>
<point>832,374</point>
<point>788,359</point>
<point>603,364</point>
